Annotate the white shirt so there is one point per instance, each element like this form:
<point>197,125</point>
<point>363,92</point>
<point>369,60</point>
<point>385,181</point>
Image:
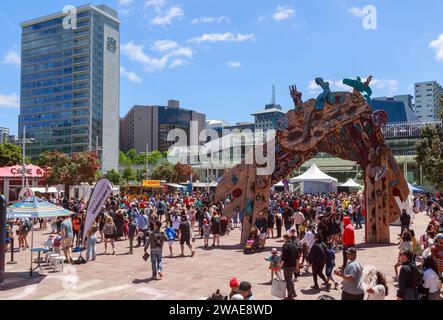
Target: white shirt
<point>299,217</point>
<point>309,239</point>
<point>379,293</point>
<point>430,280</point>
<point>350,209</point>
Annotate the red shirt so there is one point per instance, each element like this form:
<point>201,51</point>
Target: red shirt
<point>348,232</point>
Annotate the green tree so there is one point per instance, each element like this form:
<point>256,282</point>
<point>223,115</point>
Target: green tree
<point>440,108</point>
<point>10,155</point>
<point>69,170</point>
<point>430,154</point>
<point>132,156</point>
<point>141,175</point>
<point>114,177</point>
<point>164,171</point>
<point>129,174</point>
<point>123,159</point>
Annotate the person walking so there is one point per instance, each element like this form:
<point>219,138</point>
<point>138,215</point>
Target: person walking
<point>142,226</point>
<point>271,224</point>
<point>186,234</point>
<point>155,241</point>
<point>216,229</point>
<point>278,222</point>
<point>317,258</point>
<point>405,220</point>
<point>290,255</point>
<point>409,279</point>
<point>348,239</point>
<point>110,231</point>
<point>352,276</point>
<point>91,243</point>
<point>132,231</point>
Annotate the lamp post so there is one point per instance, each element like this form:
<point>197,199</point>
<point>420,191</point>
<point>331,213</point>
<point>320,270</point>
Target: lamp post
<point>24,141</point>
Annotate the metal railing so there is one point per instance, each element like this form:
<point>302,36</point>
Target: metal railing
<point>407,129</point>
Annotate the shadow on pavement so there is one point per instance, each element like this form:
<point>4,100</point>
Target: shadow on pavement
<point>14,280</point>
<point>140,281</point>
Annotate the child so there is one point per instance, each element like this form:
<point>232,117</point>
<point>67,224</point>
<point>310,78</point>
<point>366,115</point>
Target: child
<point>234,285</point>
<point>171,234</point>
<point>57,243</point>
<point>274,264</point>
<point>330,264</point>
<point>206,231</point>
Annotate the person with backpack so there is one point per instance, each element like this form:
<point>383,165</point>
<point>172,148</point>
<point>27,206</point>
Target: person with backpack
<point>290,255</point>
<point>405,220</point>
<point>317,258</point>
<point>352,276</point>
<point>348,239</point>
<point>186,234</point>
<point>161,206</point>
<point>23,231</point>
<point>155,241</point>
<point>410,277</point>
<point>171,234</point>
<point>110,231</point>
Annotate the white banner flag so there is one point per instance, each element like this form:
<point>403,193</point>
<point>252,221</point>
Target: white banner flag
<point>102,191</point>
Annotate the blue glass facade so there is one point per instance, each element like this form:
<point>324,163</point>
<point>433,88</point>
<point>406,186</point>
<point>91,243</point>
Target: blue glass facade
<point>62,75</point>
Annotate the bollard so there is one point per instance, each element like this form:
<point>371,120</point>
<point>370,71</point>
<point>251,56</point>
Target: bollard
<point>12,253</point>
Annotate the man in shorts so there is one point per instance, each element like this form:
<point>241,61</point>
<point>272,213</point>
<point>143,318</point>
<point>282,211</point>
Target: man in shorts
<point>185,235</point>
<point>67,234</point>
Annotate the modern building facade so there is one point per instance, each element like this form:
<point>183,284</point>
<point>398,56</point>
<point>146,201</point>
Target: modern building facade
<point>427,100</point>
<point>398,109</point>
<point>70,83</point>
<point>4,135</point>
<point>264,119</point>
<point>242,126</point>
<point>148,126</point>
<point>217,125</point>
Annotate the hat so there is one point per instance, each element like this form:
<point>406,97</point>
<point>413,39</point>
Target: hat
<point>233,283</point>
<point>274,250</point>
<point>439,236</point>
<point>351,251</point>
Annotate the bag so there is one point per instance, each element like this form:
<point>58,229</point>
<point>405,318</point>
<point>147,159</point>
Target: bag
<point>146,256</point>
<point>417,276</point>
<point>278,288</point>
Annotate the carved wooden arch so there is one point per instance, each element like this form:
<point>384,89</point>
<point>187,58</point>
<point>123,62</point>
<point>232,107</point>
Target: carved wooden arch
<point>341,124</point>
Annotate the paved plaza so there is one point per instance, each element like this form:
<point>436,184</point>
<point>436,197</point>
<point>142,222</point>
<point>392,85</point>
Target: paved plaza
<point>125,277</point>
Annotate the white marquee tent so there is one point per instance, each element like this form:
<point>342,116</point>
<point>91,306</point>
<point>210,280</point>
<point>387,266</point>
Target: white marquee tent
<point>316,181</point>
<point>351,184</point>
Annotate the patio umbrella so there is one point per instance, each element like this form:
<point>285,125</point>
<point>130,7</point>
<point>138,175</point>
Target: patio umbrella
<point>35,208</point>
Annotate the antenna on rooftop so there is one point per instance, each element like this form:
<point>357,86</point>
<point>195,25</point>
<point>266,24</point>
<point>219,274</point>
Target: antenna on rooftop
<point>273,95</point>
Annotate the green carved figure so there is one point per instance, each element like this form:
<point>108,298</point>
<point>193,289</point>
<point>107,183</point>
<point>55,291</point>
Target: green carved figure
<point>360,86</point>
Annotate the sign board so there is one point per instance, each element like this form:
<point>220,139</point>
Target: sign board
<point>152,183</point>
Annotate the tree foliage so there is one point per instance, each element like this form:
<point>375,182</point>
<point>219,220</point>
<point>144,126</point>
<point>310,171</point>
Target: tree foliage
<point>129,174</point>
<point>164,171</point>
<point>133,158</point>
<point>10,155</point>
<point>114,177</point>
<point>72,170</point>
<point>430,155</point>
<point>183,172</point>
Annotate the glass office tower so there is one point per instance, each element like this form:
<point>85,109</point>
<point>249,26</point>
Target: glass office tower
<point>70,83</point>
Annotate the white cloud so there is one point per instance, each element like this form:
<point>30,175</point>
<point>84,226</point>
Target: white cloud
<point>155,3</point>
<point>437,45</point>
<point>177,63</point>
<point>389,86</point>
<point>131,76</point>
<point>201,20</point>
<point>9,101</point>
<point>125,2</point>
<point>164,45</point>
<point>261,18</point>
<point>223,37</point>
<point>168,48</point>
<point>233,64</point>
<point>166,18</point>
<point>12,57</point>
<point>283,13</point>
<point>357,12</point>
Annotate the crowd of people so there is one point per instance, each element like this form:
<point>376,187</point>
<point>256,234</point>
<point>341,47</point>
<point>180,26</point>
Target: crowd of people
<point>314,229</point>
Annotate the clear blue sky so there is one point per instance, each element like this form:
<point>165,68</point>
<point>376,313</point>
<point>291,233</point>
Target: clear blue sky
<point>222,57</point>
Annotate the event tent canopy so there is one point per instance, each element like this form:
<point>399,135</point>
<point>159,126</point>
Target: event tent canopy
<point>351,184</point>
<point>35,207</point>
<point>415,189</point>
<point>313,174</point>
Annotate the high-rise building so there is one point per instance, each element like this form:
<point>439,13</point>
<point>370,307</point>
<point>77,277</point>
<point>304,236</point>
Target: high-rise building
<point>4,135</point>
<point>427,100</point>
<point>70,83</point>
<point>148,126</point>
<point>264,119</point>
